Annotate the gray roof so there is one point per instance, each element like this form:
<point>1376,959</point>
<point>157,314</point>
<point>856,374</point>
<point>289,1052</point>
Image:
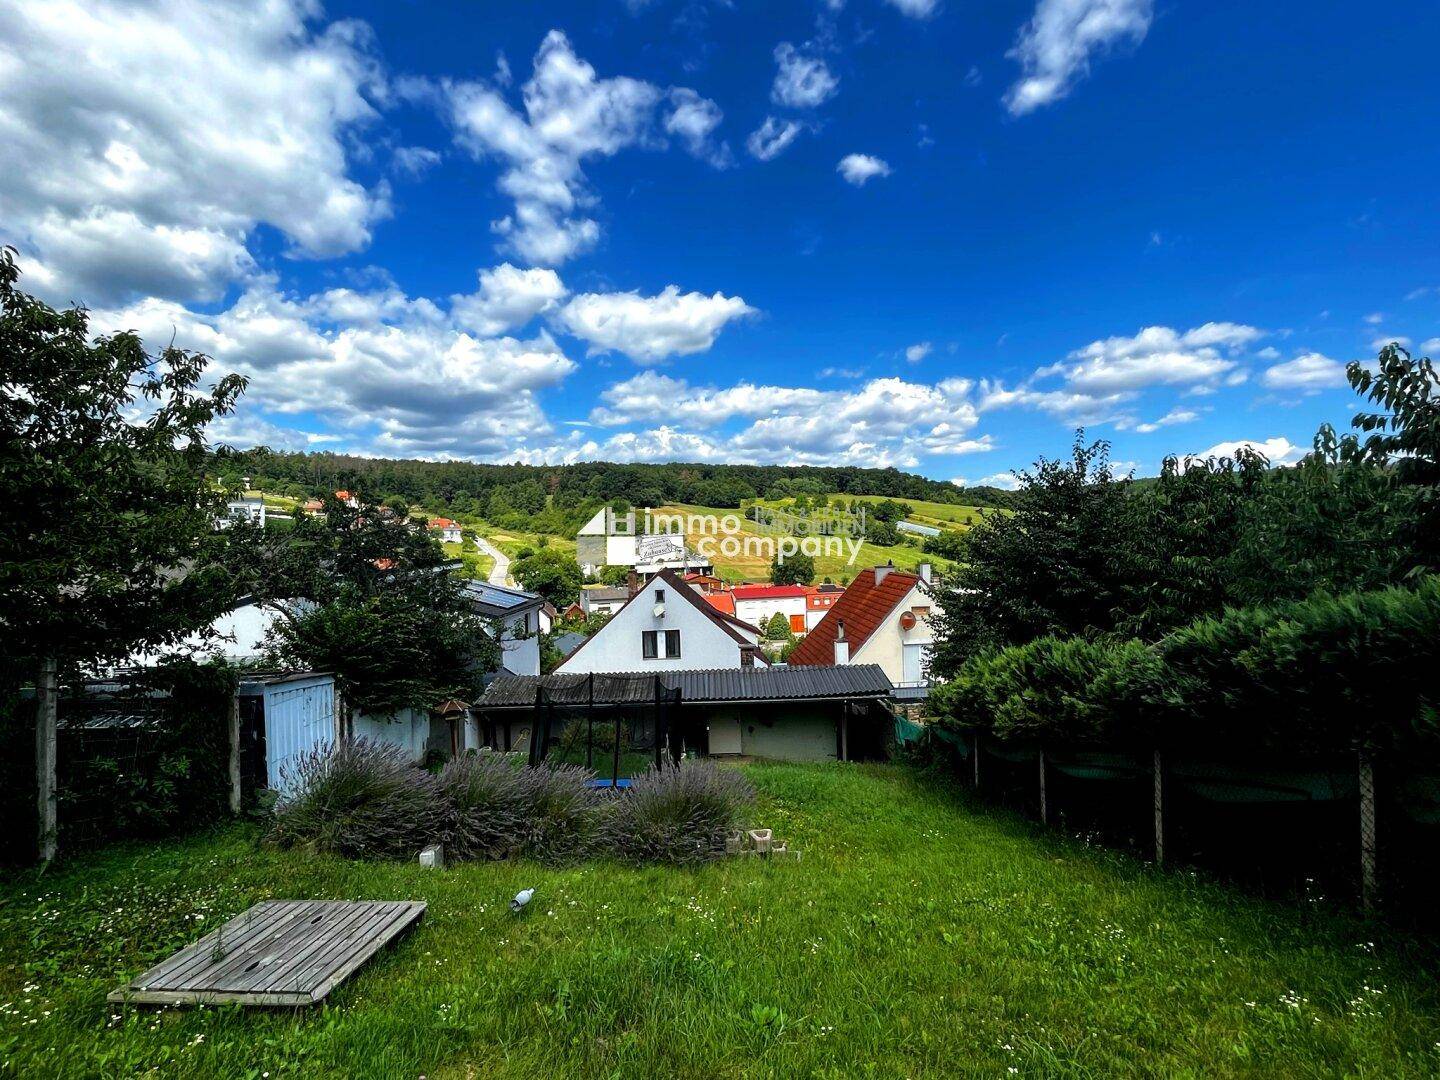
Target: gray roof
<point>606,593</point>
<point>776,683</point>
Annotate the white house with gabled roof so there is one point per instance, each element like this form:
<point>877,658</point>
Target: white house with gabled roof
<point>667,626</point>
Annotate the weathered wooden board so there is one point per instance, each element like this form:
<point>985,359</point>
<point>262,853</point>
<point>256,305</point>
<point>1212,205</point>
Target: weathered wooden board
<point>280,952</point>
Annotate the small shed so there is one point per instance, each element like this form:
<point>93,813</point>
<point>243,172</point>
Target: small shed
<point>281,717</point>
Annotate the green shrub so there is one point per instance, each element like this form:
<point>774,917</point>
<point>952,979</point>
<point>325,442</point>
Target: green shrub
<point>358,798</point>
<point>485,806</point>
<point>1329,673</point>
<point>1323,675</point>
<point>563,811</point>
<point>678,813</point>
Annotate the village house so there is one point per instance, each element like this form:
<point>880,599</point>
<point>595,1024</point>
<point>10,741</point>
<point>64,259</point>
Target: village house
<point>448,530</point>
<point>247,506</point>
<point>758,604</point>
<point>348,499</point>
<point>666,625</point>
<point>882,618</point>
<point>603,599</point>
<point>821,599</point>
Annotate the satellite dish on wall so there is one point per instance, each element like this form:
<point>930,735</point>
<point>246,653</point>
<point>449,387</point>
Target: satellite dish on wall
<point>907,621</point>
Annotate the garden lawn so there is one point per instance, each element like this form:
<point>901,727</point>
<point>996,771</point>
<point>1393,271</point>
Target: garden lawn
<point>917,937</point>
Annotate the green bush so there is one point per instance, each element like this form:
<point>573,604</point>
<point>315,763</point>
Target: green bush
<point>678,813</point>
<point>1352,672</point>
<point>1321,675</point>
<point>358,798</point>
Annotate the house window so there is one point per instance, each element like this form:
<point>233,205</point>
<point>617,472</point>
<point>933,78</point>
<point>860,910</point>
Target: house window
<point>659,596</point>
<point>650,644</point>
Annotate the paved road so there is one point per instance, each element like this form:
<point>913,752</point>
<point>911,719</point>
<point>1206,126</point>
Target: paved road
<point>500,573</point>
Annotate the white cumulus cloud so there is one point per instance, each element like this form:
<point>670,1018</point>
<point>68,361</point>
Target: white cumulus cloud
<point>1278,451</point>
<point>569,115</point>
<point>1311,371</point>
<point>156,136</point>
<point>802,80</point>
<point>1156,355</point>
<point>858,168</point>
<point>507,298</point>
<point>649,329</point>
<point>772,138</point>
<point>1055,47</point>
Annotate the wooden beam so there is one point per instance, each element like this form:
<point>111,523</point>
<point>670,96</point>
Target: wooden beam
<point>1158,791</point>
<point>1044,802</point>
<point>1367,834</point>
<point>235,753</point>
<point>46,708</point>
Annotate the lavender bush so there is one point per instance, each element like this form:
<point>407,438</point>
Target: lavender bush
<point>360,799</point>
<point>564,813</point>
<point>486,804</point>
<point>677,813</point>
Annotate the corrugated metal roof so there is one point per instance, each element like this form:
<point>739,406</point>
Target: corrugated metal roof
<point>718,684</point>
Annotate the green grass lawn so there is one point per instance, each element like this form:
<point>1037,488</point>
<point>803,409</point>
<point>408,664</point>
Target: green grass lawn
<point>917,937</point>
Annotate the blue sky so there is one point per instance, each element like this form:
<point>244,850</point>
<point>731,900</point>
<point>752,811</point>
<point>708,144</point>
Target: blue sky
<point>892,232</point>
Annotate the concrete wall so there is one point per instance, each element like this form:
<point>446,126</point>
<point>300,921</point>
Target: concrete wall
<point>409,729</point>
<point>800,732</point>
<point>759,612</point>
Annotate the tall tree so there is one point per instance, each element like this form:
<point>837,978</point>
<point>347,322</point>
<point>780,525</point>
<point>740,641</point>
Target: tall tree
<point>371,597</point>
<point>1058,565</point>
<point>109,543</point>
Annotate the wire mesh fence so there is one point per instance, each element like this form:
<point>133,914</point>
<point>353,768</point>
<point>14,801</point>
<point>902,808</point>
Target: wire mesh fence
<point>137,756</point>
<point>1332,828</point>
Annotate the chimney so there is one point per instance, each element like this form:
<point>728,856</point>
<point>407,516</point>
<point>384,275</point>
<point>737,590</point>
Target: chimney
<point>925,572</point>
<point>881,571</point>
<point>842,647</point>
<point>632,582</point>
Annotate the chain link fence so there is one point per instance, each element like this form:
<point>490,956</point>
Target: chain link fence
<point>1335,828</point>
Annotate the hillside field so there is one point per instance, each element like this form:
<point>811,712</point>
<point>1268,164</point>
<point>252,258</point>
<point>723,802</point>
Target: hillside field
<point>836,568</point>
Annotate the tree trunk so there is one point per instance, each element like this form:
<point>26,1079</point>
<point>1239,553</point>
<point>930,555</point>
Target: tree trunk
<point>45,740</point>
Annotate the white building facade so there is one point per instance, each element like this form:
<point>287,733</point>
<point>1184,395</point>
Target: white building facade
<point>667,626</point>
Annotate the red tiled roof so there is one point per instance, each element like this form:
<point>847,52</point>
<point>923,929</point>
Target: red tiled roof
<point>440,523</point>
<point>722,602</point>
<point>342,495</point>
<point>862,608</point>
<point>769,592</point>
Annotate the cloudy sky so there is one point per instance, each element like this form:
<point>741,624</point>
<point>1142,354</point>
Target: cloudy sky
<point>880,232</point>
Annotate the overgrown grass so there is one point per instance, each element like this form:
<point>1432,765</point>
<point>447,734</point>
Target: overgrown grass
<point>916,937</point>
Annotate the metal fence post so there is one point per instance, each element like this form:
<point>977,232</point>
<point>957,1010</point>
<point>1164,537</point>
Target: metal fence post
<point>1368,895</point>
<point>1159,790</point>
<point>976,741</point>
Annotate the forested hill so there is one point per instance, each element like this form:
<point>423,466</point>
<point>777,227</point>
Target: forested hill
<point>304,474</point>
